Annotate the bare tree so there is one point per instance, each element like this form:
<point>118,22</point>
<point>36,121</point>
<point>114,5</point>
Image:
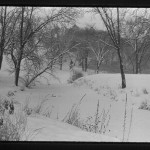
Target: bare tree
<point>6,18</point>
<point>64,42</point>
<point>83,36</point>
<point>113,27</point>
<point>29,25</point>
<point>100,50</point>
<point>45,64</point>
<point>136,32</point>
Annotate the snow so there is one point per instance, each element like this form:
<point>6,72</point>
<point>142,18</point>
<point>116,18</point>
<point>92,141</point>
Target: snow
<point>61,96</point>
<point>53,130</point>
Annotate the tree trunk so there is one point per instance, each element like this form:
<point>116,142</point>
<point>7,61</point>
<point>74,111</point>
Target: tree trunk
<point>121,70</point>
<point>1,52</point>
<point>51,65</point>
<point>119,53</point>
<point>136,63</point>
<point>136,58</point>
<point>138,68</point>
<point>3,27</point>
<point>133,70</point>
<point>82,64</point>
<point>61,61</point>
<point>85,68</point>
<point>1,59</point>
<point>17,72</point>
<point>97,69</point>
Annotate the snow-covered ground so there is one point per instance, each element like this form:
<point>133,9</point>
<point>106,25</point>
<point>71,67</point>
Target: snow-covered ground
<point>60,97</point>
<point>53,130</point>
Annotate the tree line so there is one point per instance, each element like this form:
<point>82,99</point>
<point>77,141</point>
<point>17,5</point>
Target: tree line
<point>36,43</point>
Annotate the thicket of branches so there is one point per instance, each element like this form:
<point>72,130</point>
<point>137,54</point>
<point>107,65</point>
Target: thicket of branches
<point>26,49</point>
<point>35,42</point>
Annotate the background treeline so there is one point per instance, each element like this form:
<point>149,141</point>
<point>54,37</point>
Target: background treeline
<point>36,41</point>
<point>94,54</point>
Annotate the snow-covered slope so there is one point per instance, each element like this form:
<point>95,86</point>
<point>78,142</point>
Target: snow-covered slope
<point>103,87</point>
<point>45,129</point>
<point>108,87</point>
<point>40,128</point>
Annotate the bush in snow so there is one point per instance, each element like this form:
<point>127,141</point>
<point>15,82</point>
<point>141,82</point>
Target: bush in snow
<point>75,75</point>
<point>12,125</point>
<point>144,105</point>
<point>99,123</point>
<point>96,124</point>
<point>73,116</point>
<point>25,82</point>
<point>96,89</point>
<point>10,93</point>
<point>144,91</point>
<point>34,110</point>
<point>49,112</point>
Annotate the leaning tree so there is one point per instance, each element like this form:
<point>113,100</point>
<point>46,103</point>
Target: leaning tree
<point>28,26</point>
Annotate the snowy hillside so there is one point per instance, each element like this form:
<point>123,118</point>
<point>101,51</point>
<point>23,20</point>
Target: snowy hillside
<point>53,130</point>
<point>60,97</point>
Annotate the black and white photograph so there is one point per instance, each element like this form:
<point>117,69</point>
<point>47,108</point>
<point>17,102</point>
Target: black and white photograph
<point>74,74</point>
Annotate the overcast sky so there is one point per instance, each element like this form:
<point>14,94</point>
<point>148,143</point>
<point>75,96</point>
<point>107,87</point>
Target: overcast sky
<point>95,20</point>
<point>89,19</point>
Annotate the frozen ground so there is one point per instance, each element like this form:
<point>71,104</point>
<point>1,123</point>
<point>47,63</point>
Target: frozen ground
<point>103,87</point>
